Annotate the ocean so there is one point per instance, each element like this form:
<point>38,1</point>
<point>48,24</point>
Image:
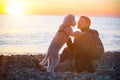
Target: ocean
<point>32,34</point>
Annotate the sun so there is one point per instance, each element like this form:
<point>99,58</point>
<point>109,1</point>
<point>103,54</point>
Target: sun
<point>15,8</point>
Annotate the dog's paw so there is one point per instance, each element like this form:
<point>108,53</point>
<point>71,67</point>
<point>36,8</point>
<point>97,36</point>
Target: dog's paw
<point>40,67</point>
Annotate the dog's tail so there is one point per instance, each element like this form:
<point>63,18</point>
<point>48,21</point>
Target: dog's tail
<point>44,61</point>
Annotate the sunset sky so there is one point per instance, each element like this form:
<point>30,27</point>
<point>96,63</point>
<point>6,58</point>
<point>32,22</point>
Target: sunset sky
<point>61,7</point>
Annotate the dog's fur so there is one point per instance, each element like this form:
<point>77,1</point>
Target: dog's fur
<point>65,30</point>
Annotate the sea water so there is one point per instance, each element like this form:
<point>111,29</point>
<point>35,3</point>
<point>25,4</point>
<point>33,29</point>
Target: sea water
<point>32,34</point>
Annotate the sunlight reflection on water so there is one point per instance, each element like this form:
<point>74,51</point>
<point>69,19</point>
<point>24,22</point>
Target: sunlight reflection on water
<point>33,34</point>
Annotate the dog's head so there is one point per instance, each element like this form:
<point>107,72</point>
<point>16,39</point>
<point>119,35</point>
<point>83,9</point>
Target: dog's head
<point>69,20</point>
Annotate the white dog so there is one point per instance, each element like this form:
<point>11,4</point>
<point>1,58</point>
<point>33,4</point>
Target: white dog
<point>62,35</point>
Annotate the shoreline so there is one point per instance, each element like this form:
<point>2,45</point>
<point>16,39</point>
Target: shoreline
<point>22,67</point>
<point>36,53</point>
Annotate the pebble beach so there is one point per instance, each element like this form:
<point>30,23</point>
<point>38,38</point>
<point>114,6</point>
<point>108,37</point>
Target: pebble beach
<point>22,67</point>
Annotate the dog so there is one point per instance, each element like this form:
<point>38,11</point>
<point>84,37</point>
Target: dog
<point>62,35</point>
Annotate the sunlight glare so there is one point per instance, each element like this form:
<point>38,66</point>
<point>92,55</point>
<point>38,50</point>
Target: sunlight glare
<point>15,8</point>
<point>14,31</point>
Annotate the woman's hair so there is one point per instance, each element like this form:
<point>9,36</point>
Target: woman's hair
<point>68,20</point>
<point>87,19</point>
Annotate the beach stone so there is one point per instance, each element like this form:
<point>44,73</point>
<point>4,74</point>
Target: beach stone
<point>22,67</point>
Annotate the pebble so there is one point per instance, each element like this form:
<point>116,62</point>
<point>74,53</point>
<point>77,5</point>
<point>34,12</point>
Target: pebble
<point>22,67</point>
